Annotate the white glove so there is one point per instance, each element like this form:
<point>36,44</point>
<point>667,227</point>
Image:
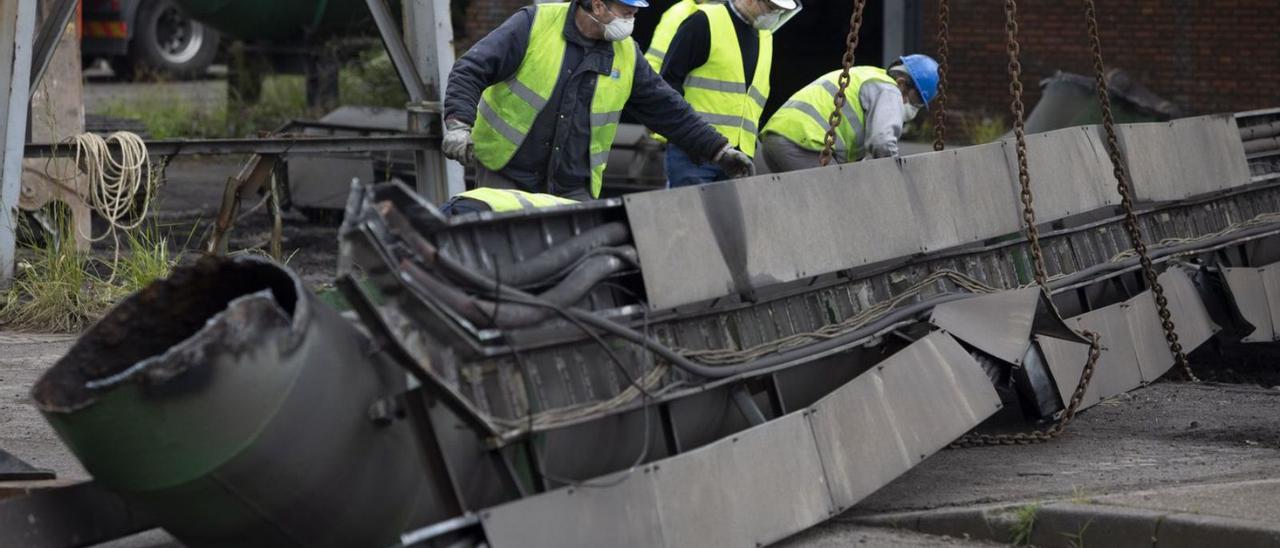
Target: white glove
<point>734,162</point>
<point>457,144</point>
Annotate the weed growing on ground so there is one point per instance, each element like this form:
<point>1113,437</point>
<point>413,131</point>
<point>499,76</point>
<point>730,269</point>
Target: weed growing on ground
<point>1024,522</point>
<point>1076,539</point>
<point>60,289</point>
<point>54,288</point>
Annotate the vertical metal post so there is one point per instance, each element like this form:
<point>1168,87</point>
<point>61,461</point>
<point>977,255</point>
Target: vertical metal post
<point>429,38</point>
<point>894,41</point>
<point>17,30</point>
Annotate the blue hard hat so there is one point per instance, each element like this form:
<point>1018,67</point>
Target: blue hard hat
<point>924,74</point>
<point>634,3</point>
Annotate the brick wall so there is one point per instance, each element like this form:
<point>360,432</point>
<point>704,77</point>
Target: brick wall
<point>481,16</point>
<point>1205,56</point>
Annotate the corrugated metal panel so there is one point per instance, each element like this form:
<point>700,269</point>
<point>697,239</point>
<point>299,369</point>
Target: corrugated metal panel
<point>1066,361</point>
<point>1117,370</point>
<point>889,419</point>
<point>998,324</point>
<point>623,514</point>
<point>1186,157</point>
<point>1134,348</point>
<point>752,489</point>
<point>1070,172</point>
<point>1253,289</point>
<point>1186,309</point>
<point>1150,348</point>
<point>771,481</point>
<point>961,195</point>
<point>713,240</point>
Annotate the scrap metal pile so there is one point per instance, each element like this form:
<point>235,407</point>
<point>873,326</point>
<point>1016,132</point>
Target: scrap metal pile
<point>726,364</point>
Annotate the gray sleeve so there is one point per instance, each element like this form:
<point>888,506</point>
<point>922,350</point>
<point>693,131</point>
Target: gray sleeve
<point>491,60</point>
<point>882,106</point>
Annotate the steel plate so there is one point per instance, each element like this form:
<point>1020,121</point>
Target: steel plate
<point>889,419</point>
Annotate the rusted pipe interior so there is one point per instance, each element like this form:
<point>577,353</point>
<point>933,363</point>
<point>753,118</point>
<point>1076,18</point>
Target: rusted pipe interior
<point>154,320</point>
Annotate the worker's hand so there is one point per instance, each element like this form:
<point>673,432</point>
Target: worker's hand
<point>457,143</point>
<point>734,162</point>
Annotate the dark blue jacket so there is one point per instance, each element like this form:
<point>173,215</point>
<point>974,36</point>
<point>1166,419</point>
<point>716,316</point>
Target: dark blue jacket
<point>554,157</point>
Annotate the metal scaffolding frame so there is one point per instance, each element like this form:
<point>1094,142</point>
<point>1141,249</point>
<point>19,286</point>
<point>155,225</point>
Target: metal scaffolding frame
<point>17,26</point>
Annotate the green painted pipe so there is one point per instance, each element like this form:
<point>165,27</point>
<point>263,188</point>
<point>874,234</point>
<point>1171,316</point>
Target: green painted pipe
<point>282,21</point>
<point>235,407</point>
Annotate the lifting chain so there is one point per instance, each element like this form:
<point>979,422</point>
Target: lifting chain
<point>851,43</point>
<point>1037,257</point>
<point>940,108</point>
<point>1122,184</point>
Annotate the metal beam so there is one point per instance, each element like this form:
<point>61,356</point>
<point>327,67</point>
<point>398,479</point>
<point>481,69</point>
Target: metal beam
<point>47,40</point>
<point>429,37</point>
<point>17,25</point>
<point>269,145</point>
<point>396,50</point>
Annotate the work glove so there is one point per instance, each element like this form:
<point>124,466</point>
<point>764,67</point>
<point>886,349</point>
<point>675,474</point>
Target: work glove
<point>457,143</point>
<point>734,162</point>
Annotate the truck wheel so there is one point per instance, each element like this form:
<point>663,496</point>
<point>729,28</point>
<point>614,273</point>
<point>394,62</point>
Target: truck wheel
<point>168,42</point>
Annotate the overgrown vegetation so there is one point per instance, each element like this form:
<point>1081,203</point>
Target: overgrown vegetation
<point>370,80</point>
<point>60,289</point>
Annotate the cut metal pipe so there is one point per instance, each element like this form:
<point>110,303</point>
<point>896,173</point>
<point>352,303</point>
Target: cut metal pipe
<point>232,405</point>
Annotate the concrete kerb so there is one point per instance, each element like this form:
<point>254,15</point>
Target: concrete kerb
<point>1069,524</point>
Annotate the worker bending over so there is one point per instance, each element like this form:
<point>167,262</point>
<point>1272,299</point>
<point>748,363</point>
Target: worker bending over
<point>720,60</point>
<point>877,104</point>
<point>544,93</point>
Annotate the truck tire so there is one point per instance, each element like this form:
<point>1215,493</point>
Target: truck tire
<point>166,42</point>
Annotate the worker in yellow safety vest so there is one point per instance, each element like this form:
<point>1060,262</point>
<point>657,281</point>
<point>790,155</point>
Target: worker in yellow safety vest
<point>499,200</point>
<point>720,60</point>
<point>545,91</point>
<point>878,103</point>
<point>666,30</point>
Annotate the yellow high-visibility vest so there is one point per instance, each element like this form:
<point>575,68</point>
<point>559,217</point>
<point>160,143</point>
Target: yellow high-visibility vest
<point>718,90</point>
<point>508,109</point>
<point>803,119</point>
<point>507,199</point>
<point>666,30</point>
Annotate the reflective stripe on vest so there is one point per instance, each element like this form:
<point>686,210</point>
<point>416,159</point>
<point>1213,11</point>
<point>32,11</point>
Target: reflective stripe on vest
<point>504,199</point>
<point>508,109</point>
<point>803,119</point>
<point>666,30</point>
<point>718,89</point>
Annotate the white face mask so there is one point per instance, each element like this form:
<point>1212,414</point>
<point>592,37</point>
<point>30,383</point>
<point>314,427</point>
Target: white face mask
<point>909,112</point>
<point>618,29</point>
<point>766,21</point>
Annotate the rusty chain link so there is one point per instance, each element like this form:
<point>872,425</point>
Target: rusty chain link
<point>851,43</point>
<point>1122,185</point>
<point>1037,257</point>
<point>940,108</point>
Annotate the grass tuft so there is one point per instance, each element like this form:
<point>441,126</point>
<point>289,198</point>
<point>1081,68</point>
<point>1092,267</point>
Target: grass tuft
<point>1024,523</point>
<point>60,290</point>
